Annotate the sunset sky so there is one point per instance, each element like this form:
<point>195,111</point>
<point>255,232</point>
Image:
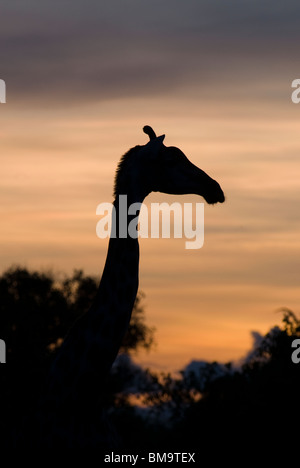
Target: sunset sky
<point>83,78</point>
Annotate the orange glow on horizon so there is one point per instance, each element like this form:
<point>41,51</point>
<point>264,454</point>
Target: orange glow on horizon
<point>203,303</point>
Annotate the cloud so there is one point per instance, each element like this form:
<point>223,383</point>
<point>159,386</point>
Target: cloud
<point>133,378</point>
<point>81,51</point>
<point>200,374</point>
<point>261,346</point>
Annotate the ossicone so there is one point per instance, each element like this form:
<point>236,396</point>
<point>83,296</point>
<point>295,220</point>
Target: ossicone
<point>151,133</point>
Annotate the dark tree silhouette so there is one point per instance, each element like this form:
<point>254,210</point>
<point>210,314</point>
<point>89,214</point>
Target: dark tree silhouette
<point>36,311</point>
<point>254,407</point>
<point>250,410</point>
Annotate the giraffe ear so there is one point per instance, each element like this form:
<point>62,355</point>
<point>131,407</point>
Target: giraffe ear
<point>154,146</point>
<point>155,143</point>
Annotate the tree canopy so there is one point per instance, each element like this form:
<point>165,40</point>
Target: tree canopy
<point>254,404</point>
<point>36,311</point>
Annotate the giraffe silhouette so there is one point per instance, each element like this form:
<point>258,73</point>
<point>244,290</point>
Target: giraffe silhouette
<point>70,413</point>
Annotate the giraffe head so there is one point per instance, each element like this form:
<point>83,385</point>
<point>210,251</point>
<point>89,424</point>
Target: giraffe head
<point>155,167</point>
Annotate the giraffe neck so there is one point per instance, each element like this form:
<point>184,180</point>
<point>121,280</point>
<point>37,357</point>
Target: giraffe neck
<point>119,283</point>
<point>92,344</point>
<point>78,374</point>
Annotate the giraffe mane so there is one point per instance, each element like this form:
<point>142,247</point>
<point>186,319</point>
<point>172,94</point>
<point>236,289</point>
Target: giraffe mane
<point>119,183</point>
